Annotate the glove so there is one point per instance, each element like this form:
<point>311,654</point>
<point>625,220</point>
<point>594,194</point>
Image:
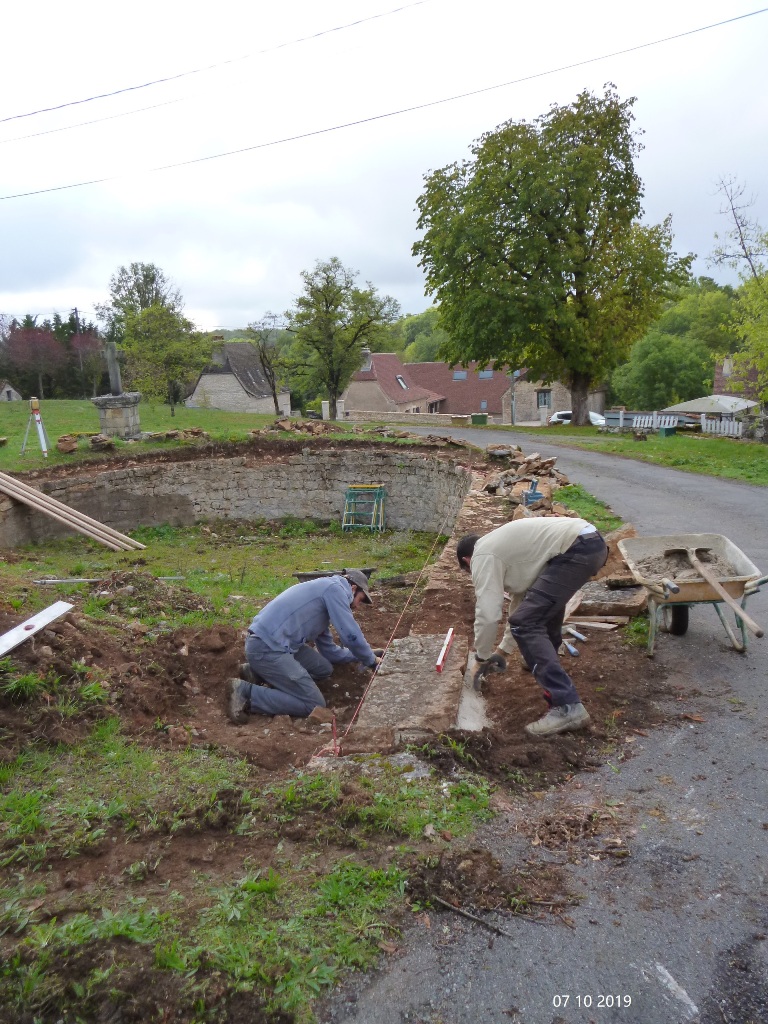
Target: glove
<point>496,663</point>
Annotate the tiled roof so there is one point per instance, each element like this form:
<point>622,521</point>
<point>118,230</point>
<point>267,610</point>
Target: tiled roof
<point>241,358</point>
<point>385,369</point>
<point>462,397</point>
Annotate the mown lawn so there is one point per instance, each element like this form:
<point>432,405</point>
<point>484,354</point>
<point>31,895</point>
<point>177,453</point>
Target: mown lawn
<point>691,452</point>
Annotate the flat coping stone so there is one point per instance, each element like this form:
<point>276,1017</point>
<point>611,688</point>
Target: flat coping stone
<point>409,695</point>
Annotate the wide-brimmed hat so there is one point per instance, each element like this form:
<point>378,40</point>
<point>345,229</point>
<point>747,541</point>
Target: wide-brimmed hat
<point>360,580</point>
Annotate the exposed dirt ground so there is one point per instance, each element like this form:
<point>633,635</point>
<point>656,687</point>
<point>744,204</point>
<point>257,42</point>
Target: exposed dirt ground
<point>169,687</point>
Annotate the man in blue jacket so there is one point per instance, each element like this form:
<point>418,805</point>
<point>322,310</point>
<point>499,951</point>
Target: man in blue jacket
<point>278,651</point>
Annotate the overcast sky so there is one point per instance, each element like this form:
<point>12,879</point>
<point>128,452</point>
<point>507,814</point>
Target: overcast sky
<point>234,233</point>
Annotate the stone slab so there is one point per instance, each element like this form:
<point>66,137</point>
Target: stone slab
<point>409,695</point>
<point>599,599</point>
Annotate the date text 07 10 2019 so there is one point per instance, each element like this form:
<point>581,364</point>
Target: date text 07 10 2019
<point>599,1002</point>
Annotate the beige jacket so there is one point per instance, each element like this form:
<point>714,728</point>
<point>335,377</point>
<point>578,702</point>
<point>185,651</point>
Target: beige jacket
<point>509,559</point>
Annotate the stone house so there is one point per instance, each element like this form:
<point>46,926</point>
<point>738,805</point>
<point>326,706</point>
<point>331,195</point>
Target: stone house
<point>8,392</point>
<point>235,382</point>
<point>384,384</point>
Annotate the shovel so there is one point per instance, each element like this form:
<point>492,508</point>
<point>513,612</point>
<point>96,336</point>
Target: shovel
<point>713,581</point>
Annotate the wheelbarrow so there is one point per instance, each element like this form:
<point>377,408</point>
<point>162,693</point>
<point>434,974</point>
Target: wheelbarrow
<point>670,598</point>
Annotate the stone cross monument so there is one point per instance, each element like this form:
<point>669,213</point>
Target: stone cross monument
<point>118,411</point>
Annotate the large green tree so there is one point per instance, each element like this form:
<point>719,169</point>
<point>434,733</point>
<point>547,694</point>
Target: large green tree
<point>333,320</point>
<point>675,359</point>
<point>535,250</point>
<point>134,288</point>
<point>164,353</point>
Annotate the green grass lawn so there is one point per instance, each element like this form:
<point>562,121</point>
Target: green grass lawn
<point>691,452</point>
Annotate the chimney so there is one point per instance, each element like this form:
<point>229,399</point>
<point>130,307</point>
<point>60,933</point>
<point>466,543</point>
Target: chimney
<point>366,357</point>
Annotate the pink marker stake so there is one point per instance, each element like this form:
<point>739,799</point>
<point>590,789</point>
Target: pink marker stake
<point>445,648</point>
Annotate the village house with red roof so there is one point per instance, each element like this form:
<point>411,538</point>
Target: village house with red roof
<point>385,384</point>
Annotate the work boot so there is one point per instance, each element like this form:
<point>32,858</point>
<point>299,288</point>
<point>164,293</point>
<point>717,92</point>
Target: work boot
<point>247,673</point>
<point>563,718</point>
<point>237,702</point>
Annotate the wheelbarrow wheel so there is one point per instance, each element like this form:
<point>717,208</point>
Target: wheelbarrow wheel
<point>675,619</point>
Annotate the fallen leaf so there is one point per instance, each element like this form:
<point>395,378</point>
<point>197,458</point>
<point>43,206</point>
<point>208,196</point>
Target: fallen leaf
<point>387,947</point>
<point>693,718</point>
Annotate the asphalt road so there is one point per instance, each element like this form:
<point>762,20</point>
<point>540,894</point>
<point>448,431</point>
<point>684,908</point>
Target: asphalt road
<point>678,932</point>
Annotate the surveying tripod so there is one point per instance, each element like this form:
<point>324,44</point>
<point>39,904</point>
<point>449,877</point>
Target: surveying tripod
<point>34,414</point>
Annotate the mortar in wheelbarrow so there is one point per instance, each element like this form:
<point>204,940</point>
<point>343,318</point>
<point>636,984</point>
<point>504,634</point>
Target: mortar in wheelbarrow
<point>731,566</point>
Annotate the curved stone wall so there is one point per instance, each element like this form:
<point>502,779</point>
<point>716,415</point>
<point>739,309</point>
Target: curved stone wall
<point>422,492</point>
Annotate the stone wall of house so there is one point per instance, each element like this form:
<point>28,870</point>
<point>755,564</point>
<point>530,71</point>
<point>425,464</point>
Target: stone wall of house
<point>367,394</point>
<point>223,391</point>
<point>526,401</point>
<point>422,492</point>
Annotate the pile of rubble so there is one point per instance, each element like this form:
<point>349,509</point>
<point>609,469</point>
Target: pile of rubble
<point>187,434</point>
<point>529,481</point>
<point>314,427</point>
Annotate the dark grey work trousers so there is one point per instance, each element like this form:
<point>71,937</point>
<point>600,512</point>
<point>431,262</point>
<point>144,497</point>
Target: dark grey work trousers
<point>537,623</point>
<point>291,677</point>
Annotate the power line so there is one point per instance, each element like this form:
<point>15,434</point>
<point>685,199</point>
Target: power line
<point>212,67</point>
<point>80,124</point>
<point>392,113</point>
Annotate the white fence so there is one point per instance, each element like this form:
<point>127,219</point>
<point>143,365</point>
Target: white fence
<point>653,422</point>
<point>724,428</point>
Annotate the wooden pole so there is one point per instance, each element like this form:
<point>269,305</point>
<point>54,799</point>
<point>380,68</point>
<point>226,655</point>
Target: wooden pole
<point>46,504</point>
<point>81,528</point>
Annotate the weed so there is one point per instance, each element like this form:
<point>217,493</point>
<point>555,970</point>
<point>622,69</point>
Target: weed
<point>24,688</point>
<point>636,632</point>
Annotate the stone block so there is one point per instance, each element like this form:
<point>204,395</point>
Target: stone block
<point>599,599</point>
<point>409,695</point>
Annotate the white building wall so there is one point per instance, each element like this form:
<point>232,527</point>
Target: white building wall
<point>223,391</point>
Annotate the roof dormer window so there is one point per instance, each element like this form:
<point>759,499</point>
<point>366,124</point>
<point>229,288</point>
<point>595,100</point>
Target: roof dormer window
<point>401,382</point>
<point>459,374</point>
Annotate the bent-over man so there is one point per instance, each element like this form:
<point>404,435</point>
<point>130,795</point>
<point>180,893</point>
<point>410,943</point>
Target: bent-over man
<point>278,651</point>
<point>540,563</point>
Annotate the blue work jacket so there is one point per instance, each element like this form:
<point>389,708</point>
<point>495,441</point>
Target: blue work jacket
<point>303,613</point>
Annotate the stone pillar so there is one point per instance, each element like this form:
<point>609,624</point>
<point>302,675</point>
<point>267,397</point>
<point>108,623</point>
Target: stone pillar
<point>326,408</point>
<point>119,414</point>
<point>339,409</point>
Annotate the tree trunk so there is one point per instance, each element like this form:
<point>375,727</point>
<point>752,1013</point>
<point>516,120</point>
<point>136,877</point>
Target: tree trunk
<point>579,397</point>
<point>40,384</point>
<point>332,405</point>
<point>277,404</point>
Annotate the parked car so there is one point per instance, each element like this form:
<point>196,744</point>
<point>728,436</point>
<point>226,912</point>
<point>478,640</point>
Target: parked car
<point>565,417</point>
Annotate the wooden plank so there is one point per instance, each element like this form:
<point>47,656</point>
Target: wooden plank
<point>20,633</point>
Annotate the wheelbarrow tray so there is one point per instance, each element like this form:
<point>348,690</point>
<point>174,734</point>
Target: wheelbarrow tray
<point>635,549</point>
